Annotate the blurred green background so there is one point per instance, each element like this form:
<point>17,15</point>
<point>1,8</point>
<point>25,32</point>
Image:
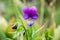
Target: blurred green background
<point>49,16</point>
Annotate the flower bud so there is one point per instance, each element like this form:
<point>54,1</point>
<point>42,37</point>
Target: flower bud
<point>14,26</point>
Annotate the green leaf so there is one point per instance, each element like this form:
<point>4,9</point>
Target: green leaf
<point>2,35</point>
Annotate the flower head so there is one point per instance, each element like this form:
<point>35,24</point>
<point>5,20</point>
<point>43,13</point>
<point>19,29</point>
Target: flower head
<point>30,12</point>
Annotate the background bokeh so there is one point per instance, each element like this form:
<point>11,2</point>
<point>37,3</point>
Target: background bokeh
<point>46,27</point>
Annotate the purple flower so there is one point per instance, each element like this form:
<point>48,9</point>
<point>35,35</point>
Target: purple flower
<point>30,12</point>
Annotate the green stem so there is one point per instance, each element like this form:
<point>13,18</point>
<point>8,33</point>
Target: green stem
<point>23,25</point>
<point>30,33</point>
<point>17,15</point>
<point>25,32</point>
<point>21,36</point>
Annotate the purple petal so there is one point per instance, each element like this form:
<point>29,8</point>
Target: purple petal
<point>34,14</point>
<point>26,12</point>
<point>33,10</point>
<point>30,23</point>
<point>26,16</point>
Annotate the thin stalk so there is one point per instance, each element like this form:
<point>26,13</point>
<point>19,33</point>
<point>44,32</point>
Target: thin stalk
<point>25,32</point>
<point>23,25</point>
<point>52,12</point>
<point>17,15</point>
<point>38,30</point>
<point>31,33</point>
<point>18,38</point>
<point>21,35</point>
<point>41,28</point>
<point>42,12</point>
<point>24,28</point>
